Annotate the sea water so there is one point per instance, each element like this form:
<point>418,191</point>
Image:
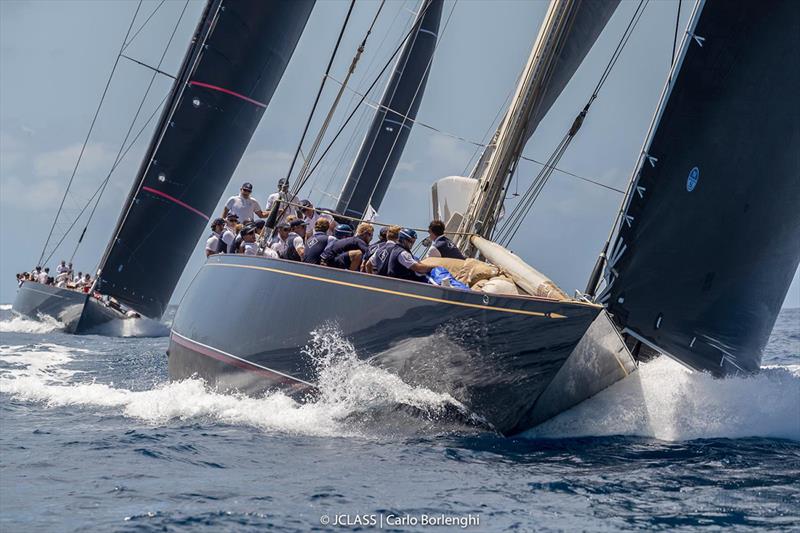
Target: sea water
<point>93,436</point>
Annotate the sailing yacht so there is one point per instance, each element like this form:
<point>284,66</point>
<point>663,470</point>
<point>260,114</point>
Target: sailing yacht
<point>236,57</point>
<point>719,163</point>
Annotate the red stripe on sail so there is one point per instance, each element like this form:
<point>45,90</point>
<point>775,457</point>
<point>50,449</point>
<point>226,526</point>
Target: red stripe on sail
<point>173,199</point>
<point>228,91</point>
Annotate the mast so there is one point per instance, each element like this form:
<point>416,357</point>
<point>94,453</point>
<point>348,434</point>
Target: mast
<point>568,31</point>
<point>386,138</point>
<point>233,65</point>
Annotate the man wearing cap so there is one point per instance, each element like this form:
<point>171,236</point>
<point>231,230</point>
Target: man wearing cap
<point>229,233</point>
<point>378,263</point>
<point>401,263</point>
<point>215,244</point>
<point>249,245</point>
<point>242,205</point>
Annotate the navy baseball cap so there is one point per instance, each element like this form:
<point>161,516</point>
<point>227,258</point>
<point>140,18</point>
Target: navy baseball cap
<point>218,222</point>
<point>247,186</point>
<point>298,222</point>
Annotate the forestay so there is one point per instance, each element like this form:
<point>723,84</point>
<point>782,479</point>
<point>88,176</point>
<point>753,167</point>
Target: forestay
<point>236,58</point>
<point>708,244</point>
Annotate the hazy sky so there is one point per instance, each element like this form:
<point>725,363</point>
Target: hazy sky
<point>55,58</point>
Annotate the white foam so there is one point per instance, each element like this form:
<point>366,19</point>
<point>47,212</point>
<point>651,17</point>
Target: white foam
<point>5,307</point>
<point>21,324</point>
<point>348,386</point>
<point>665,401</point>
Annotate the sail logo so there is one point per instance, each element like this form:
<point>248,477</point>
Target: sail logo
<point>694,177</point>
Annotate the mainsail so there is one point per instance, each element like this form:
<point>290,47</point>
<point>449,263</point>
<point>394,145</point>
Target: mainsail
<point>236,58</point>
<point>710,237</point>
<point>386,138</point>
<point>568,32</point>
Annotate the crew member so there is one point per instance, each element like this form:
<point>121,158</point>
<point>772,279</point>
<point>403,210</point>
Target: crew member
<point>318,242</point>
<point>243,205</point>
<point>295,241</point>
<point>377,264</point>
<point>44,276</point>
<point>62,267</point>
<point>249,245</point>
<point>278,243</point>
<point>441,246</point>
<point>309,215</point>
<point>347,253</point>
<point>215,244</point>
<point>285,198</point>
<point>401,262</point>
<point>229,233</point>
<point>377,244</point>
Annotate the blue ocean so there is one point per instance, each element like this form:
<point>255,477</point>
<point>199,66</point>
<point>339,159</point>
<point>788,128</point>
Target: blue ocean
<point>95,437</point>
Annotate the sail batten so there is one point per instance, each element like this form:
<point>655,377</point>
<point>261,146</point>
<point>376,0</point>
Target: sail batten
<point>708,241</point>
<point>237,56</point>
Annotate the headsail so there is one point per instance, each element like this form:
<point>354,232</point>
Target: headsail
<point>234,63</point>
<point>386,138</point>
<point>708,243</point>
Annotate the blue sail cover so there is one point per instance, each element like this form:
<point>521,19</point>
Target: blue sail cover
<point>386,138</point>
<point>710,239</point>
<point>236,58</point>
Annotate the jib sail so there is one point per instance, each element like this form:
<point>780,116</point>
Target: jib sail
<point>708,243</point>
<point>386,138</point>
<point>237,56</point>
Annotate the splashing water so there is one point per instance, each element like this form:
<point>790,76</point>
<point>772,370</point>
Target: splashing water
<point>665,401</point>
<point>21,324</point>
<point>5,307</point>
<point>348,389</point>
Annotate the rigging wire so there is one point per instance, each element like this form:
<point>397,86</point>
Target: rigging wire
<point>675,39</point>
<point>478,145</point>
<point>133,123</point>
<point>89,133</point>
<point>508,229</point>
<point>137,32</point>
<point>108,177</point>
<point>321,87</point>
<point>358,105</point>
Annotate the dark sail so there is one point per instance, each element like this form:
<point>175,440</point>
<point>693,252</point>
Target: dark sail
<point>234,63</point>
<point>710,238</point>
<point>386,138</point>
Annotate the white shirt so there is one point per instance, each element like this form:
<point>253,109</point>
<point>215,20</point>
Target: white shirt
<point>290,210</point>
<point>213,243</point>
<point>279,246</point>
<point>43,277</point>
<point>299,244</point>
<point>269,252</point>
<point>250,248</point>
<point>228,236</point>
<point>243,208</point>
<point>62,268</point>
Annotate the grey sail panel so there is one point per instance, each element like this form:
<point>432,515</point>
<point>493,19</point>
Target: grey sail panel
<point>710,240</point>
<point>234,63</point>
<point>386,138</point>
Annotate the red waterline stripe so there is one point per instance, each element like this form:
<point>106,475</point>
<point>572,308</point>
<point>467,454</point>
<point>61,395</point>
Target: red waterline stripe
<point>219,355</point>
<point>228,91</point>
<point>173,199</point>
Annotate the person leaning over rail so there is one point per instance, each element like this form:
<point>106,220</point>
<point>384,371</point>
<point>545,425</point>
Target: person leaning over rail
<point>401,262</point>
<point>441,246</point>
<point>348,253</point>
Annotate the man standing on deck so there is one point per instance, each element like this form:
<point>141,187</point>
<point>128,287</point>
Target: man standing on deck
<point>242,205</point>
<point>285,198</point>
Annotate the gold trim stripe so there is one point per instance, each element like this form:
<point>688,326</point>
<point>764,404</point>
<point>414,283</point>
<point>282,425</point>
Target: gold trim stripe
<point>395,293</point>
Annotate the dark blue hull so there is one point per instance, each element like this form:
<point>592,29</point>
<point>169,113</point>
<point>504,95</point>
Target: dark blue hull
<point>76,310</point>
<point>244,322</point>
